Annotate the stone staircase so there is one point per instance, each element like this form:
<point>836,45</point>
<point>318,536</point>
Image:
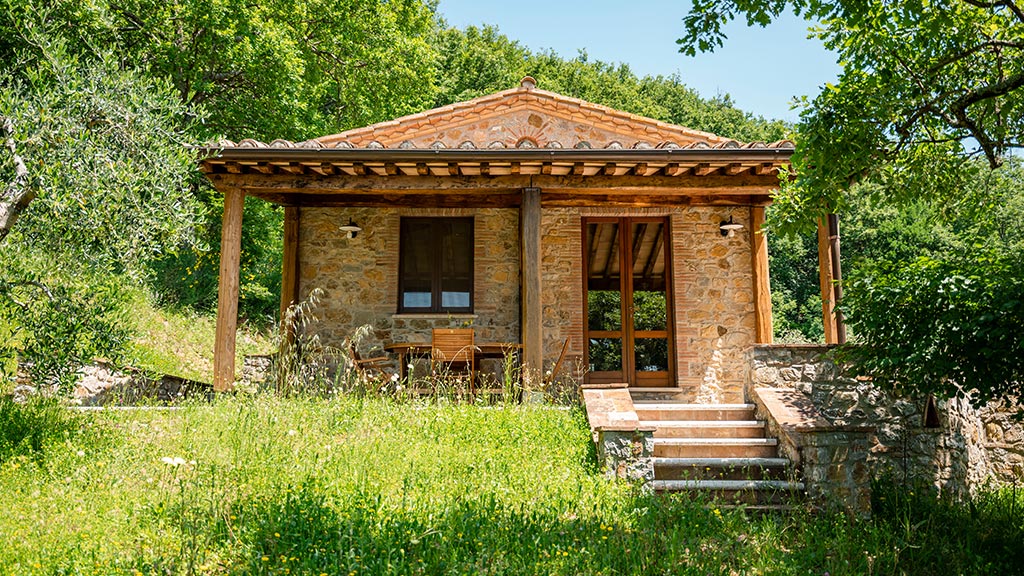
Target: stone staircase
<point>718,449</point>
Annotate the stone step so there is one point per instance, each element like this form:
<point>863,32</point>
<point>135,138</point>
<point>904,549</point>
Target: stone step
<point>690,412</point>
<point>660,395</point>
<point>721,468</point>
<point>715,447</point>
<point>706,428</point>
<point>757,492</point>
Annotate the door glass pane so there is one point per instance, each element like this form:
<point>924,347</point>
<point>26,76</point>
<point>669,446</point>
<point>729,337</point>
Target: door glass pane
<point>651,354</point>
<point>604,310</point>
<point>604,297</point>
<point>650,309</point>
<point>605,354</point>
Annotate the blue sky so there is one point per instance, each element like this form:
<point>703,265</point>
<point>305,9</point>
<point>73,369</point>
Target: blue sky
<point>761,68</point>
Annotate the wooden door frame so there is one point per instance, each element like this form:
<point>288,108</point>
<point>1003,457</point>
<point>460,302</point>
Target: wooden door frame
<point>626,292</point>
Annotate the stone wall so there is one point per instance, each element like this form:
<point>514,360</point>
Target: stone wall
<point>359,276</point>
<point>712,290</point>
<point>967,448</point>
<point>712,285</point>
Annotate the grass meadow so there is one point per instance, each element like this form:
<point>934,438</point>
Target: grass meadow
<point>263,485</point>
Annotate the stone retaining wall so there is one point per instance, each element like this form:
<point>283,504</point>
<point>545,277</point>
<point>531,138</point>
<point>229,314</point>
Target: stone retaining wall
<point>968,448</point>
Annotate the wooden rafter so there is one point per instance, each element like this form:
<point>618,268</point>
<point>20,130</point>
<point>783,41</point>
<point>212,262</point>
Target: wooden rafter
<point>638,241</point>
<point>655,253</point>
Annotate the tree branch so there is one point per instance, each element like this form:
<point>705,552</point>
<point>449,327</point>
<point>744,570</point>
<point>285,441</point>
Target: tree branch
<point>1009,4</point>
<point>18,193</point>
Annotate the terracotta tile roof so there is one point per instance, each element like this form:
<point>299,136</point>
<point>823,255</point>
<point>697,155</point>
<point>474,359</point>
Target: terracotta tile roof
<point>523,117</point>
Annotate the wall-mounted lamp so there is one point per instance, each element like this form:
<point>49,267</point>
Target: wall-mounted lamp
<point>729,228</point>
<point>351,229</point>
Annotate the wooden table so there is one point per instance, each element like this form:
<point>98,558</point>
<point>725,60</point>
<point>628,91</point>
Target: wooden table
<point>406,351</point>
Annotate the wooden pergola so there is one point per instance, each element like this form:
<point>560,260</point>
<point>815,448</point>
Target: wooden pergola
<point>527,179</point>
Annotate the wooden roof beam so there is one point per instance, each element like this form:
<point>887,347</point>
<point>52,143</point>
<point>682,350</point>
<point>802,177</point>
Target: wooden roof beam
<point>640,169</point>
<point>765,169</point>
<point>704,169</point>
<point>289,168</point>
<point>577,169</point>
<point>735,168</point>
<point>655,252</point>
<point>674,169</point>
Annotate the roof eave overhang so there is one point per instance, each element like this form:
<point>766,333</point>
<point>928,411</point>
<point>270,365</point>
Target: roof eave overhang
<point>657,155</point>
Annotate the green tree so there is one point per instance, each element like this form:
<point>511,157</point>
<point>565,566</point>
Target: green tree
<point>96,182</point>
<point>925,89</point>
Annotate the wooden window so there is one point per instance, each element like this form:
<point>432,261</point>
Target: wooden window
<point>436,265</point>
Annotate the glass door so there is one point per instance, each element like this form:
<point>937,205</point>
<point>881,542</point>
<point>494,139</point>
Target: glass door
<point>628,330</point>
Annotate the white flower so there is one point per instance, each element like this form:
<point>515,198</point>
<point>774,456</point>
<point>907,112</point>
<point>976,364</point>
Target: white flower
<point>176,461</point>
<point>292,432</point>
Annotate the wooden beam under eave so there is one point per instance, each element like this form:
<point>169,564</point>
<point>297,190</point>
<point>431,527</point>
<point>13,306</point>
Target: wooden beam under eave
<point>825,281</point>
<point>312,183</point>
<point>734,169</point>
<point>704,169</point>
<point>531,311</point>
<point>762,284</point>
<point>227,291</point>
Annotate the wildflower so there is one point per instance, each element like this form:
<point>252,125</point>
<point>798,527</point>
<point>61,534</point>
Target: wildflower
<point>292,432</point>
<point>175,462</point>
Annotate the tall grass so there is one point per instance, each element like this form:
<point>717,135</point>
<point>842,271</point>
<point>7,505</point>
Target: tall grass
<point>261,485</point>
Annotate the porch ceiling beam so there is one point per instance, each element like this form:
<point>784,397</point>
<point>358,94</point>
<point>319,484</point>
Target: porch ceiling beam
<point>613,249</point>
<point>554,200</point>
<point>704,169</point>
<point>638,242</point>
<point>735,168</point>
<point>323,169</point>
<point>289,168</point>
<point>655,252</point>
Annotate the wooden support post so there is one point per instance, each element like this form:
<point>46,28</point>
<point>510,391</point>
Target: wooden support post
<point>825,280</point>
<point>762,286</point>
<point>227,292</point>
<point>289,272</point>
<point>837,276</point>
<point>532,335</point>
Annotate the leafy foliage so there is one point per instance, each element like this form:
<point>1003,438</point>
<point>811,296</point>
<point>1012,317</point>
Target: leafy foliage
<point>924,86</point>
<point>957,321</point>
<point>932,307</point>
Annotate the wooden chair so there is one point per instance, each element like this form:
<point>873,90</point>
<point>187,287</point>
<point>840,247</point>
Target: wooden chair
<point>453,348</point>
<point>549,378</point>
<point>368,369</point>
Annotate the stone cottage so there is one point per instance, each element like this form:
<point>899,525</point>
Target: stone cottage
<point>532,217</point>
<point>541,220</point>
